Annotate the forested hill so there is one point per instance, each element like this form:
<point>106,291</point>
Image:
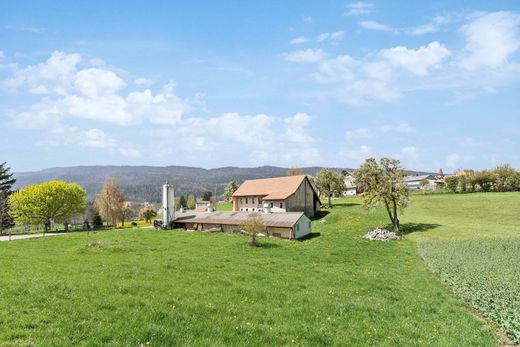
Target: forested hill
<point>144,183</point>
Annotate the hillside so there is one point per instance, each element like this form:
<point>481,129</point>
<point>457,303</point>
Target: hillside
<point>143,183</point>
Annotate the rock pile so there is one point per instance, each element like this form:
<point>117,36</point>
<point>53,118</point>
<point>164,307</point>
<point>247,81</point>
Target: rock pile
<point>381,234</point>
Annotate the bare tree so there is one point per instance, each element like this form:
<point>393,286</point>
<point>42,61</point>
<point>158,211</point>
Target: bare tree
<point>111,201</point>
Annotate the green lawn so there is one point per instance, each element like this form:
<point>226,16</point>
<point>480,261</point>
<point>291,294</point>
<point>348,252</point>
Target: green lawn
<point>124,288</point>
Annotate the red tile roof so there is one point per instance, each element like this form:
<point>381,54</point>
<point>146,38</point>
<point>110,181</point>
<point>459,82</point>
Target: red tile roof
<point>278,188</point>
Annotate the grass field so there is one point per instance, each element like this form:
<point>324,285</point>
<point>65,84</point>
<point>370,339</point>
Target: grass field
<point>124,288</point>
<point>473,242</point>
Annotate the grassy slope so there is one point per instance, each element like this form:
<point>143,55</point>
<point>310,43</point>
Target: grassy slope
<point>131,287</point>
<point>473,243</point>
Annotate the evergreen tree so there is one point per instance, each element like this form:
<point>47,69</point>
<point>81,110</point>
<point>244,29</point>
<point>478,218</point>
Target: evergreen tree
<point>182,201</point>
<point>6,183</point>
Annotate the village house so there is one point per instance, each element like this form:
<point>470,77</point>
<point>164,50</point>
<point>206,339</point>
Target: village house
<point>350,185</point>
<point>414,182</point>
<point>279,194</point>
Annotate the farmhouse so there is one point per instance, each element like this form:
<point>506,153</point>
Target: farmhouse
<point>350,185</point>
<point>279,194</point>
<point>290,225</point>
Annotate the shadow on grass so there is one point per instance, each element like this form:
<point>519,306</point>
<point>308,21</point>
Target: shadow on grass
<point>309,236</point>
<point>267,245</point>
<point>408,228</point>
<point>345,204</point>
<point>320,214</point>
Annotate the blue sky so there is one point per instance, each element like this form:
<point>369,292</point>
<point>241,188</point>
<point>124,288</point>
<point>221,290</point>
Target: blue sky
<point>287,83</point>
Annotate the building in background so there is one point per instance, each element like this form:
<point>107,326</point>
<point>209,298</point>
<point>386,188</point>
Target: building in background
<point>280,194</point>
<point>350,185</point>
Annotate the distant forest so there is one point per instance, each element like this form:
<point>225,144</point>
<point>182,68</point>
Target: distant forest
<point>144,183</point>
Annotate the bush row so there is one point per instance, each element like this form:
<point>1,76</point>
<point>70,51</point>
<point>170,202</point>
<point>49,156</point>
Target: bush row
<point>503,178</point>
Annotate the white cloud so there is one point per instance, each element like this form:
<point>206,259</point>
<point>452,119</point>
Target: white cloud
<point>94,82</point>
<point>356,154</point>
<point>403,128</point>
<point>334,36</point>
<point>92,94</point>
<point>431,27</point>
<point>55,76</point>
<point>359,8</point>
<point>299,40</point>
<point>491,38</point>
<point>305,56</point>
<point>364,92</point>
<point>145,82</point>
<point>2,55</point>
<point>92,138</point>
<point>360,133</point>
<point>296,128</point>
<point>373,25</point>
<point>417,61</point>
<point>409,152</point>
<point>253,136</point>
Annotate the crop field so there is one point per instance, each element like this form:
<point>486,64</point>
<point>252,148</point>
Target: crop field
<point>486,272</point>
<point>163,288</point>
<point>472,242</point>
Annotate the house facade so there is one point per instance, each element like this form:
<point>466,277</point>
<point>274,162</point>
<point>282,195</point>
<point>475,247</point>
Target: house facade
<point>350,186</point>
<point>279,194</point>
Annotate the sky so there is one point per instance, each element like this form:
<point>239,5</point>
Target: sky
<point>435,84</point>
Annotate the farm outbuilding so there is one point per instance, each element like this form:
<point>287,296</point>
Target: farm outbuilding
<point>289,225</point>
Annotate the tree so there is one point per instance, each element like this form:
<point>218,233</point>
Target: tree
<point>253,225</point>
<point>295,171</point>
<point>182,201</point>
<point>147,212</point>
<point>329,183</point>
<point>452,183</point>
<point>97,221</point>
<point>111,201</point>
<point>207,196</point>
<point>383,185</point>
<point>6,183</point>
<point>49,201</point>
<point>128,213</point>
<point>424,183</point>
<point>231,187</point>
<point>190,204</point>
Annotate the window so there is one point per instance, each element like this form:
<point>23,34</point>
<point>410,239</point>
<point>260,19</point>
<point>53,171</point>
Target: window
<point>272,205</point>
<point>297,227</point>
<point>253,200</point>
<point>246,200</point>
<point>281,205</point>
<point>241,200</point>
<point>246,208</point>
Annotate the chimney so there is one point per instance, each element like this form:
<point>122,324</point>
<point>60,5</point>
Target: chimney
<point>267,208</point>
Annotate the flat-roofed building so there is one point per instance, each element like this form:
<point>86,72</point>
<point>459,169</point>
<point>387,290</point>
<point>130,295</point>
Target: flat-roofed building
<point>290,225</point>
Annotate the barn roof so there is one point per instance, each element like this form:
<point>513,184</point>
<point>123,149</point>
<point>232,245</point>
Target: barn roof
<point>277,188</point>
<point>286,219</point>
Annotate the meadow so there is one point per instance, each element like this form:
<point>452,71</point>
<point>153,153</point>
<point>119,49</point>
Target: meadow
<point>472,241</point>
<point>158,288</point>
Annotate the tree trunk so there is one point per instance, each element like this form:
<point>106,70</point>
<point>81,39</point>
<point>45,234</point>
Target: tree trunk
<point>389,213</point>
<point>396,220</point>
